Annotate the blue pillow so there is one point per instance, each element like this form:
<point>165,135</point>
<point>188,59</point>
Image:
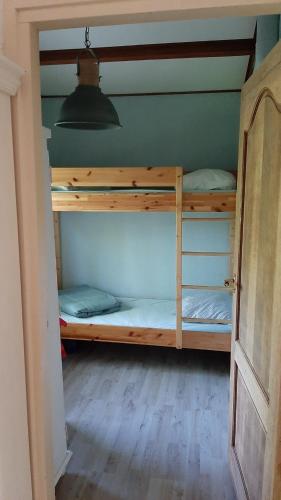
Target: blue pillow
<point>85,301</point>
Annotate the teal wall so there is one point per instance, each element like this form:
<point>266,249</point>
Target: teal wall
<point>134,254</point>
<point>268,34</point>
<point>196,131</point>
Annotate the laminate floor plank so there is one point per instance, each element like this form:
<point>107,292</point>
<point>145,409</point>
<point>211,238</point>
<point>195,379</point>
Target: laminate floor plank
<point>146,424</point>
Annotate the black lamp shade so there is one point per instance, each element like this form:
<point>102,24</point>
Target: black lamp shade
<point>88,108</point>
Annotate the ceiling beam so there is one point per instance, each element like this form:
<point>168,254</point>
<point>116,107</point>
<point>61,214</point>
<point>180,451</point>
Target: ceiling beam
<point>184,50</point>
<point>252,58</point>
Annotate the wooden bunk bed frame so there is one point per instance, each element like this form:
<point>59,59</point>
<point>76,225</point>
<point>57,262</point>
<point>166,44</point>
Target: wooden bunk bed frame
<point>135,201</point>
<point>135,177</point>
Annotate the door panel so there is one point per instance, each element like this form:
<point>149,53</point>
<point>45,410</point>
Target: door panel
<point>255,420</point>
<point>262,186</point>
<point>250,440</point>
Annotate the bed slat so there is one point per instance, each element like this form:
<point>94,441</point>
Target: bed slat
<point>206,287</point>
<point>210,321</point>
<point>207,219</point>
<point>207,254</point>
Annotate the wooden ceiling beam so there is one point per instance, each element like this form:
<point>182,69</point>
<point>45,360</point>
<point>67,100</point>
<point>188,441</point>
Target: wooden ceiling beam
<point>252,58</point>
<point>184,50</point>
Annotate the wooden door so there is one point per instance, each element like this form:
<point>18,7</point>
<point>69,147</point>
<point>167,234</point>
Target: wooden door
<point>255,411</point>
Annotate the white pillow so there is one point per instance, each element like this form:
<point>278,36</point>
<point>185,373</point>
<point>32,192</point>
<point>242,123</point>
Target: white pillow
<point>207,179</point>
<point>206,305</point>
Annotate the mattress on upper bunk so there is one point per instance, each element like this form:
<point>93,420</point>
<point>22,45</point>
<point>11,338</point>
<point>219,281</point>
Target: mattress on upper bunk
<point>73,189</point>
<point>77,189</point>
<point>147,313</point>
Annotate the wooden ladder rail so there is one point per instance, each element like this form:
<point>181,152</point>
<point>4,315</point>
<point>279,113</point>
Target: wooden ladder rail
<point>179,185</point>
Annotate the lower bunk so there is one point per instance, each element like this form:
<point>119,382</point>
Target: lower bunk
<point>147,322</point>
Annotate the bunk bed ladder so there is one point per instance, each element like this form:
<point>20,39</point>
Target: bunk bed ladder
<point>179,179</point>
<point>180,254</point>
<point>229,254</point>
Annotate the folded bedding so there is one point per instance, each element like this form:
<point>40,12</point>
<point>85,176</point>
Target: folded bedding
<point>208,179</point>
<point>206,305</point>
<point>85,301</point>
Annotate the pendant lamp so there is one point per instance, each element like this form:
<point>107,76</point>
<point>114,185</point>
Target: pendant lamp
<point>87,108</point>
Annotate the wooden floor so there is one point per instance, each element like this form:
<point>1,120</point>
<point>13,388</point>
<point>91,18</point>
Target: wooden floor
<point>146,424</point>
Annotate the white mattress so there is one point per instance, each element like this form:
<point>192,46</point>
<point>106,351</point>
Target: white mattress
<point>147,313</point>
<point>74,189</point>
<point>60,189</point>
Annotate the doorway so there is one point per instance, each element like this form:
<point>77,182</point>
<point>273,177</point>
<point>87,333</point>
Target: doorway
<point>133,254</point>
<point>33,113</point>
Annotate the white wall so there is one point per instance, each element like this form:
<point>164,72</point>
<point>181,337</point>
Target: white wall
<point>15,479</point>
<point>134,254</point>
<point>52,353</point>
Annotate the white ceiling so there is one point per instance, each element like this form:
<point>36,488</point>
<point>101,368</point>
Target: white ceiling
<point>178,75</point>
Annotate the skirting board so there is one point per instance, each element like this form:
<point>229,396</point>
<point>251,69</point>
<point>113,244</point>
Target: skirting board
<point>62,468</point>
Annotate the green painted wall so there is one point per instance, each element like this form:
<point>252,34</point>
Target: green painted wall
<point>134,254</point>
<point>268,34</point>
<point>196,131</point>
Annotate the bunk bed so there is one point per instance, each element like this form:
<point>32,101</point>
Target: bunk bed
<point>145,189</point>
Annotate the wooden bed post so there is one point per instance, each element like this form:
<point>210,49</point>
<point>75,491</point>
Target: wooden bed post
<point>58,248</point>
<point>179,257</point>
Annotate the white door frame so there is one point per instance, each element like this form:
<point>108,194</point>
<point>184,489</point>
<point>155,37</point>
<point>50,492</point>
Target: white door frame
<point>14,436</point>
<point>22,20</point>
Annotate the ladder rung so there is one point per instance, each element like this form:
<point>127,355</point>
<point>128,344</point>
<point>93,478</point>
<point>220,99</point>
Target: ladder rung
<point>205,287</point>
<point>207,254</point>
<point>187,319</point>
<point>207,219</point>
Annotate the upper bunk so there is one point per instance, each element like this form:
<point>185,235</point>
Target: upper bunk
<point>131,189</point>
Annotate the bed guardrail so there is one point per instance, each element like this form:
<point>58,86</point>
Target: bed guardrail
<point>134,177</point>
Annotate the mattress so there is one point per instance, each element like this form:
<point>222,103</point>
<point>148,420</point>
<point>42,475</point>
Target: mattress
<point>74,189</point>
<point>61,189</point>
<point>147,313</point>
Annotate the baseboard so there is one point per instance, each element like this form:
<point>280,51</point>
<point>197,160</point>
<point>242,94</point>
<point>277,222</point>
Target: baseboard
<point>63,466</point>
